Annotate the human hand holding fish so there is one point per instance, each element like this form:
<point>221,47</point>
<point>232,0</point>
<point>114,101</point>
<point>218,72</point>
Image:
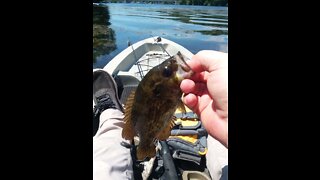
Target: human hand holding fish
<point>206,92</point>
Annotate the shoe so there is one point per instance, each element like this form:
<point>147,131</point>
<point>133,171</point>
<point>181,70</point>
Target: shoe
<point>105,92</point>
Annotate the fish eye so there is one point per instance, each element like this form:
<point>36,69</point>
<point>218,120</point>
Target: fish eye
<point>167,72</point>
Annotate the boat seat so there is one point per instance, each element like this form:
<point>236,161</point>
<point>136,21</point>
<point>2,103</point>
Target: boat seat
<point>126,84</point>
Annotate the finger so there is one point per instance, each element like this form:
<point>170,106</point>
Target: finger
<point>208,60</point>
<point>191,101</point>
<point>200,77</point>
<point>187,85</point>
<point>200,89</point>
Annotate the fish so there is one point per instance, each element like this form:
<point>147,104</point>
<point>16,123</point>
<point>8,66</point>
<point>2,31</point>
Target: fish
<point>149,110</point>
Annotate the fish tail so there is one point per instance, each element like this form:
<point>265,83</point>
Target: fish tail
<point>142,152</point>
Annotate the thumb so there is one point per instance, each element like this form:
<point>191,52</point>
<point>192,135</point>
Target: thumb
<point>208,60</point>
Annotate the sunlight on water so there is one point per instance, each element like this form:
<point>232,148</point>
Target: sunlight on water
<point>194,27</point>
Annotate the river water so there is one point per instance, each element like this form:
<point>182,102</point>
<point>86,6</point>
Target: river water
<point>194,27</point>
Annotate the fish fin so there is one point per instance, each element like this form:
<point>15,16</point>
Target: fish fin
<point>166,132</point>
<point>182,107</point>
<point>173,122</point>
<point>128,131</point>
<point>142,153</point>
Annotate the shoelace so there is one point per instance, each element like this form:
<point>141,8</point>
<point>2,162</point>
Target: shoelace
<point>103,102</point>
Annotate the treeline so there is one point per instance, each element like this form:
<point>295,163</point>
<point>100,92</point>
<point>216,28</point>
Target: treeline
<point>183,2</point>
<point>205,2</point>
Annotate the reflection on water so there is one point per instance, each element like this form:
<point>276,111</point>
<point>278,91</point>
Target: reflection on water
<point>103,35</point>
<point>199,17</point>
<point>194,27</point>
<point>213,32</point>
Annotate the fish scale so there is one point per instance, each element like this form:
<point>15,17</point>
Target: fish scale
<point>149,111</point>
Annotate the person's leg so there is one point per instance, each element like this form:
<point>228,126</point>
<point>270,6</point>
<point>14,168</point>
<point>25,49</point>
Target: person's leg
<point>111,160</point>
<point>217,159</point>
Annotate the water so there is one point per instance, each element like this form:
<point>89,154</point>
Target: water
<point>194,27</point>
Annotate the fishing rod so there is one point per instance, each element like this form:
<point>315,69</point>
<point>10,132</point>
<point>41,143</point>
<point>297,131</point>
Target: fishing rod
<point>136,59</point>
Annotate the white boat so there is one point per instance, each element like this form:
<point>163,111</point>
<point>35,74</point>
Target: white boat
<point>140,57</point>
<point>135,61</point>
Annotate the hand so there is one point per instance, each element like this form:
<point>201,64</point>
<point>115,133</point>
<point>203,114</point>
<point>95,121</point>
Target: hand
<point>206,92</point>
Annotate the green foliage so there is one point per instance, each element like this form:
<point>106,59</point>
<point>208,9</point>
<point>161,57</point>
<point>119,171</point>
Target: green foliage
<point>102,1</point>
<point>183,2</point>
<point>104,40</point>
<point>205,2</point>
